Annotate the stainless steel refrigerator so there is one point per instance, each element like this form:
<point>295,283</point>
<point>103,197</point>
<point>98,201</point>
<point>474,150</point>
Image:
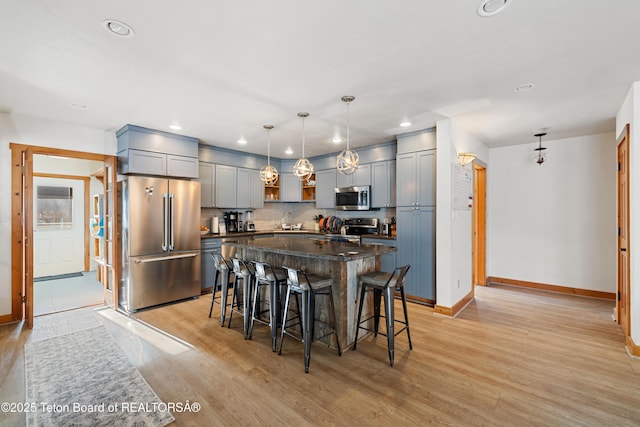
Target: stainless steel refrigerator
<point>159,241</point>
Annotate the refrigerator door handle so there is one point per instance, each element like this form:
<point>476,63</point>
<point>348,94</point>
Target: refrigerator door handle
<point>164,258</point>
<point>171,221</point>
<point>165,231</point>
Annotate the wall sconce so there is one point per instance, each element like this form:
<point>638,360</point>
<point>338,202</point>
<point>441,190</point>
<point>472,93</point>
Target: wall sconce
<point>466,158</point>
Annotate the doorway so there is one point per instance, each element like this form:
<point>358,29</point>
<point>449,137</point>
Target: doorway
<point>622,302</point>
<point>479,234</point>
<point>24,218</point>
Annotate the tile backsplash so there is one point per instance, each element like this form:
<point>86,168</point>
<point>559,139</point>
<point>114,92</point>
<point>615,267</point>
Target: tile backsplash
<point>273,213</point>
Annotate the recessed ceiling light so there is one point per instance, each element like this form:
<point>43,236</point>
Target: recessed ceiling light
<point>336,140</point>
<point>175,127</point>
<point>492,7</point>
<point>242,141</point>
<point>78,106</point>
<point>405,124</point>
<point>524,88</point>
<point>117,28</point>
<point>288,151</point>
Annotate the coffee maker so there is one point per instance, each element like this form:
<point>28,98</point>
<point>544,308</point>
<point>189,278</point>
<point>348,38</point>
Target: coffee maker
<point>231,221</point>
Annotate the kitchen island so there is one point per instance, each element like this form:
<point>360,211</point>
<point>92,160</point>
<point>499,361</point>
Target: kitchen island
<point>342,261</point>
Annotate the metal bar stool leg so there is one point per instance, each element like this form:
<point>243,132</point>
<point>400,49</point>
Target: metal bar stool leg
<point>363,292</point>
<point>389,315</point>
<point>273,312</point>
<point>307,327</point>
<point>213,294</point>
<point>406,317</point>
<point>284,319</point>
<point>224,292</point>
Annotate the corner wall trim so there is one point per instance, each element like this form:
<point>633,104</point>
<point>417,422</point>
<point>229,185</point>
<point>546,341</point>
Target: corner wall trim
<point>457,307</point>
<point>633,349</point>
<point>553,288</point>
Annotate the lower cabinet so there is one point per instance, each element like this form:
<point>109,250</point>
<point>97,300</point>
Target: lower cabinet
<point>208,271</point>
<point>388,262</point>
<point>416,240</point>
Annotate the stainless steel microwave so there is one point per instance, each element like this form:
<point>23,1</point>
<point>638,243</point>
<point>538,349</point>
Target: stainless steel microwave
<point>353,198</point>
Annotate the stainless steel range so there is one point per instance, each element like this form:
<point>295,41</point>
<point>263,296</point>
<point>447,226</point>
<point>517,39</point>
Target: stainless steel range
<point>361,226</point>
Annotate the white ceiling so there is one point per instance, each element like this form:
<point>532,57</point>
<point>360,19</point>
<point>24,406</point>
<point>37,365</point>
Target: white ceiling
<point>222,69</point>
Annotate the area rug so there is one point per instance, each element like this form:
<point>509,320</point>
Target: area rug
<point>85,379</point>
<point>56,277</point>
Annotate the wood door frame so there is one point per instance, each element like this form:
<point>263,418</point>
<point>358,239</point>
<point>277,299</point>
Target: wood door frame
<point>623,289</point>
<point>479,227</point>
<point>86,201</point>
<point>22,223</point>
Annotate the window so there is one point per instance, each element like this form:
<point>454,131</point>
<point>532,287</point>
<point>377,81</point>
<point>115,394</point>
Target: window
<point>54,207</point>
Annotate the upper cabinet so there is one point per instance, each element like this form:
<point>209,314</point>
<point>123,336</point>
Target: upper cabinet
<point>362,176</point>
<point>152,152</point>
<point>325,189</point>
<point>207,178</point>
<point>416,178</point>
<point>383,184</point>
<point>249,189</point>
<point>226,179</point>
<point>290,188</point>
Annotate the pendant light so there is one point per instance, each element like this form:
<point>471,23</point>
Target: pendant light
<point>303,168</point>
<point>268,173</point>
<point>347,161</point>
<point>541,154</point>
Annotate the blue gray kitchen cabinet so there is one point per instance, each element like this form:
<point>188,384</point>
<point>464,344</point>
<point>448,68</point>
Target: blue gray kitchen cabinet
<point>249,189</point>
<point>206,176</point>
<point>388,262</point>
<point>362,176</point>
<point>153,152</point>
<point>416,178</point>
<point>325,189</point>
<point>383,184</point>
<point>225,186</point>
<point>290,188</point>
<point>208,247</point>
<point>416,238</point>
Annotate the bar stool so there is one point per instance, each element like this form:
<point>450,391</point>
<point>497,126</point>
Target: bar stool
<point>309,288</point>
<point>223,273</point>
<point>380,282</point>
<point>265,275</point>
<point>241,272</point>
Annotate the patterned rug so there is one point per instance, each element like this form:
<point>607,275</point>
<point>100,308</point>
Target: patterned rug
<point>85,379</point>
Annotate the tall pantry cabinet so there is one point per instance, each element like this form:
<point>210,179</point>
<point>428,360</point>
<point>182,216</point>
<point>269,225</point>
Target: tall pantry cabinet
<point>416,213</point>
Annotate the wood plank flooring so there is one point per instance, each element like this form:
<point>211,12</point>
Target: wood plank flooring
<point>513,357</point>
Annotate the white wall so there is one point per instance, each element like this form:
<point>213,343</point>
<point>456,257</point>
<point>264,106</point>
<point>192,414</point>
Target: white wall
<point>554,223</point>
<point>453,227</point>
<point>32,131</point>
<point>630,113</point>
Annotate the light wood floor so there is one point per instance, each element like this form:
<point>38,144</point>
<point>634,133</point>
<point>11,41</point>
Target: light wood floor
<point>514,357</point>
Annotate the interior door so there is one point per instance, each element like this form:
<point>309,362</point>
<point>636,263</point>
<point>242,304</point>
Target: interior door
<point>59,224</point>
<point>622,308</point>
<point>479,225</point>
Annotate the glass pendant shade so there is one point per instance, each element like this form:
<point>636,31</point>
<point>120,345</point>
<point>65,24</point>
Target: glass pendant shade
<point>268,173</point>
<point>347,160</point>
<point>303,168</point>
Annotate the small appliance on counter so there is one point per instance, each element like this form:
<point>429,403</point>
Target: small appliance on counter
<point>231,222</point>
<point>248,223</point>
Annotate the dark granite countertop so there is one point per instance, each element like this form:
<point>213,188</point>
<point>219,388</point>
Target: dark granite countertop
<point>281,232</point>
<point>311,248</point>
